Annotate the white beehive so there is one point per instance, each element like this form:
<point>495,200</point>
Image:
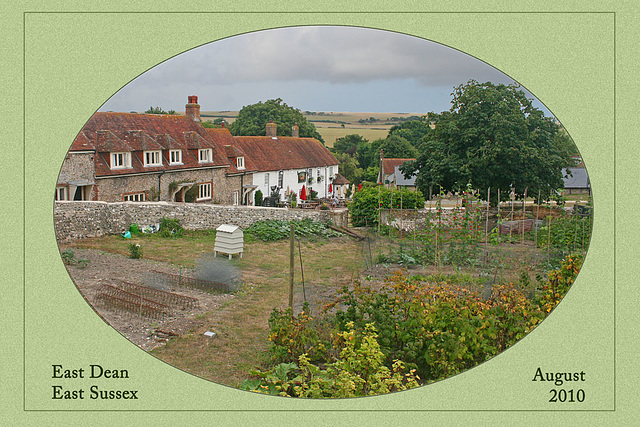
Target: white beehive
<point>229,240</point>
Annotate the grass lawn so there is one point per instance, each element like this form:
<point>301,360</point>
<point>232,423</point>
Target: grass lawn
<point>242,324</point>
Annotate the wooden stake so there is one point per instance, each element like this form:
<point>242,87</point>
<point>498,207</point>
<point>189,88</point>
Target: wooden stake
<point>291,262</point>
<point>535,233</point>
<point>304,291</point>
<point>524,211</point>
<point>486,223</point>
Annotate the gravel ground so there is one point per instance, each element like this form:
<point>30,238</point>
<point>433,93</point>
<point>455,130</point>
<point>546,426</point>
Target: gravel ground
<point>111,269</point>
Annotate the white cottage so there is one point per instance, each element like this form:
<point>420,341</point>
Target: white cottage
<point>289,162</point>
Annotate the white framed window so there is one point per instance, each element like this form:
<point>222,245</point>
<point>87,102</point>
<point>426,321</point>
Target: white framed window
<point>331,171</point>
<point>236,198</point>
<point>204,191</point>
<point>135,197</point>
<point>280,179</point>
<point>240,162</point>
<point>61,193</point>
<point>152,158</point>
<point>175,157</point>
<point>205,155</point>
<point>121,160</point>
<point>266,180</point>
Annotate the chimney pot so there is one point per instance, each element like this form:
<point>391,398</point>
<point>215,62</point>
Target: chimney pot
<point>192,108</point>
<point>272,129</point>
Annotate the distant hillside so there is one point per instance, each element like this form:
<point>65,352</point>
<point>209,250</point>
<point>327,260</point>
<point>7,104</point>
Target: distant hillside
<point>334,125</point>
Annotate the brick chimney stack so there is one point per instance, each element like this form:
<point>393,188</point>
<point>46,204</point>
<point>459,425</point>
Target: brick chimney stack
<point>272,129</point>
<point>295,131</point>
<point>192,108</point>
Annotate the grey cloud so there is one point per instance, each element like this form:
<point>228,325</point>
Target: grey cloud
<point>329,54</point>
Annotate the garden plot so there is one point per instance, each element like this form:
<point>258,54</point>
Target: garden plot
<point>116,287</point>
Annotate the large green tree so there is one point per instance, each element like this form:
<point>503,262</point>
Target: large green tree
<point>349,144</point>
<point>397,147</point>
<point>413,131</point>
<point>492,137</point>
<point>252,120</point>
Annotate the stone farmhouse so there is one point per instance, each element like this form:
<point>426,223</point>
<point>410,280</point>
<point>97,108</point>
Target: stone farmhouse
<point>134,157</point>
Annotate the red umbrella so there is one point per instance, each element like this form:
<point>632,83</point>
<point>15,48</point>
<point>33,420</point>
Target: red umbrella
<point>330,188</point>
<point>303,193</point>
<point>359,186</point>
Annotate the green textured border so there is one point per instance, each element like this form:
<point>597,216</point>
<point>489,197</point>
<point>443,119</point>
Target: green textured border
<point>73,62</point>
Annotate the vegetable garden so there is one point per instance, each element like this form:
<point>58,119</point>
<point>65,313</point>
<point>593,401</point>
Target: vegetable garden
<point>466,283</point>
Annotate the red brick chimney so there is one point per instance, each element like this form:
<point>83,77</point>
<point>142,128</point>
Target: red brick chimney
<point>295,131</point>
<point>272,129</point>
<point>192,108</point>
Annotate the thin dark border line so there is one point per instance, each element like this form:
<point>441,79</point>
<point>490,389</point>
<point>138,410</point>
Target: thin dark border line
<point>24,263</point>
<point>615,190</point>
<point>24,212</point>
<point>306,12</point>
<point>321,410</point>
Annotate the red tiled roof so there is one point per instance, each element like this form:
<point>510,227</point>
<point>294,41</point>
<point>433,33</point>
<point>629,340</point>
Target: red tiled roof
<point>82,143</point>
<point>223,138</point>
<point>389,165</point>
<point>285,152</point>
<point>139,132</point>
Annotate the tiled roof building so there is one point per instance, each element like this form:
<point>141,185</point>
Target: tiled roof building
<point>139,157</point>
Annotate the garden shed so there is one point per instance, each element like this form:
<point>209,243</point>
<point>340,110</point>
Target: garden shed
<point>229,240</point>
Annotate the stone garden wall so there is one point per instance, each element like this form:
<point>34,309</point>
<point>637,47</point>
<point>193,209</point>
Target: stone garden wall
<point>74,220</point>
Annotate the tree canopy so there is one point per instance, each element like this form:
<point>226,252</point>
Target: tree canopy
<point>159,110</point>
<point>252,120</point>
<point>397,147</point>
<point>492,137</point>
<point>413,131</point>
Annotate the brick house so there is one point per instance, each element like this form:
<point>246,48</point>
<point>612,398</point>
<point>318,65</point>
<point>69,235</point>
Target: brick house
<point>144,157</point>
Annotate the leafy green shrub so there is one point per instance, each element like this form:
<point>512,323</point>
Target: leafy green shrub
<point>359,370</point>
<point>135,250</point>
<point>363,210</point>
<point>568,234</point>
<point>257,198</point>
<point>292,336</point>
<point>170,227</point>
<point>134,229</point>
<point>273,230</point>
<point>68,257</point>
<point>439,329</point>
<point>558,283</point>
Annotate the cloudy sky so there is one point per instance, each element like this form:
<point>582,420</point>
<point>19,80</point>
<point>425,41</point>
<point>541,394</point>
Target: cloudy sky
<point>310,68</point>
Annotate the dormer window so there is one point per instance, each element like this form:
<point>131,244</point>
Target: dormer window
<point>121,160</point>
<point>152,158</point>
<point>240,162</point>
<point>205,155</point>
<point>175,157</point>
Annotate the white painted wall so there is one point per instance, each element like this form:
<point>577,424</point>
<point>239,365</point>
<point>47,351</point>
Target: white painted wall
<point>290,180</point>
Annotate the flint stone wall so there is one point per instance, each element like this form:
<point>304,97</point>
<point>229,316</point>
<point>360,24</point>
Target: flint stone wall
<point>76,220</point>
